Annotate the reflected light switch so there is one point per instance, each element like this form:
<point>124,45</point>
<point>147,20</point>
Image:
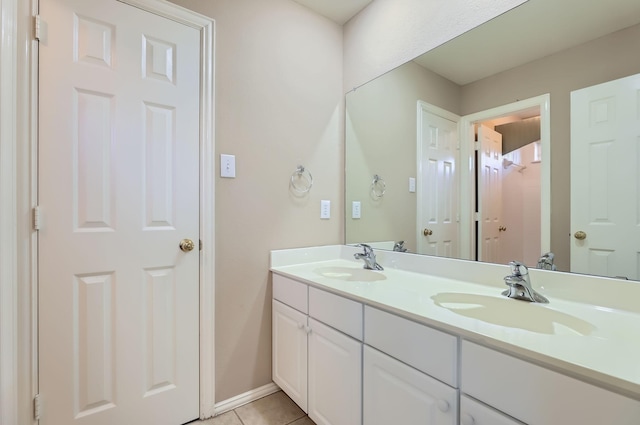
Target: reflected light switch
<point>355,209</point>
<point>325,209</point>
<point>412,184</point>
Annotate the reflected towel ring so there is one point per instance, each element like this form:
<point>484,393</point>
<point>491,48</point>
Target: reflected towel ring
<point>378,187</point>
<point>301,180</point>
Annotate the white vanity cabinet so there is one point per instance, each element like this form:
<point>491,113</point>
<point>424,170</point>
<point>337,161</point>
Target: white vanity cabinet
<point>402,360</point>
<point>317,351</point>
<point>539,396</point>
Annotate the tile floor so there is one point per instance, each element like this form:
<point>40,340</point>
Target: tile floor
<point>274,409</point>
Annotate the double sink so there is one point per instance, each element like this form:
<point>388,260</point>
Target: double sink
<point>474,302</point>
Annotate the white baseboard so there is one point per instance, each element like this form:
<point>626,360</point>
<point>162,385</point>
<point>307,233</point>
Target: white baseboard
<point>244,398</point>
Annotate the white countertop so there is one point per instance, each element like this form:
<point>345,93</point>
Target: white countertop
<point>598,344</point>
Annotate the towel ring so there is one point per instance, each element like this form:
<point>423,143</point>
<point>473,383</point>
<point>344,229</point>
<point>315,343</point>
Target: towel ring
<point>301,180</point>
<point>378,187</point>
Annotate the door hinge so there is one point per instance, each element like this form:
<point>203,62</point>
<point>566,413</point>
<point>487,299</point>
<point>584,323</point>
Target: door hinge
<point>36,27</point>
<point>200,245</point>
<point>476,145</point>
<point>36,407</point>
<point>477,216</point>
<point>39,29</point>
<point>36,217</point>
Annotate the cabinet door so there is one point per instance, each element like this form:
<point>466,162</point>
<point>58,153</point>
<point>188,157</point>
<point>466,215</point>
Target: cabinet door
<point>290,352</point>
<point>335,372</point>
<point>475,413</point>
<point>394,393</point>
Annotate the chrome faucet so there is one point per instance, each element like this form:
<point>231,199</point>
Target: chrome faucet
<point>545,262</point>
<point>368,256</point>
<point>399,247</point>
<point>520,285</point>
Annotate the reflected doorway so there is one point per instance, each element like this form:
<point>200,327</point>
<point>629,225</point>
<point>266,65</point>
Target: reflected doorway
<point>513,225</point>
<point>508,188</point>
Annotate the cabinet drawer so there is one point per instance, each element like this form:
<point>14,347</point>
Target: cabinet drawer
<point>336,311</point>
<point>539,396</point>
<point>290,292</point>
<point>433,352</point>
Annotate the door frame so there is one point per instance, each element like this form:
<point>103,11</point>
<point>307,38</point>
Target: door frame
<point>18,197</point>
<point>468,173</point>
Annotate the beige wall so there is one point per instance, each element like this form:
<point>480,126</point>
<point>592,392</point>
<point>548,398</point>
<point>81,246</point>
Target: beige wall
<point>381,139</point>
<point>601,60</point>
<point>279,103</point>
<point>389,33</point>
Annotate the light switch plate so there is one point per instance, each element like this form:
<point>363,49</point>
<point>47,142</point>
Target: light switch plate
<point>412,184</point>
<point>325,209</point>
<point>355,209</point>
<point>228,166</point>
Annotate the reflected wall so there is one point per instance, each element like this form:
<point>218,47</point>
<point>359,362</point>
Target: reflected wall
<point>374,143</point>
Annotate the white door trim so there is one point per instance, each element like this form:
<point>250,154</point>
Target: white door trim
<point>18,337</point>
<point>467,176</point>
<point>9,327</point>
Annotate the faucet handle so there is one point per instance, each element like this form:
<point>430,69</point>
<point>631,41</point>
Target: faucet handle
<point>546,261</point>
<point>367,248</point>
<point>399,247</point>
<point>518,269</point>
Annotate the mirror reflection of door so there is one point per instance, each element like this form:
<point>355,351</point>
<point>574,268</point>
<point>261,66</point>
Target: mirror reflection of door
<point>437,185</point>
<point>489,194</point>
<point>509,190</point>
<point>605,130</point>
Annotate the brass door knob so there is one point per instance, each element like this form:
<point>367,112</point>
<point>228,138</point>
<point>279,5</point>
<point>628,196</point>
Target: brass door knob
<point>502,229</point>
<point>580,235</point>
<point>187,245</point>
<point>427,232</point>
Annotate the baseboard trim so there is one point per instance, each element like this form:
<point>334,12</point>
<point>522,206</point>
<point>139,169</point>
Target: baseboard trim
<point>244,398</point>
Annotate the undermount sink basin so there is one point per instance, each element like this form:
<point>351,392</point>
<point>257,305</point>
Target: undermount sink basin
<point>350,274</point>
<point>513,313</point>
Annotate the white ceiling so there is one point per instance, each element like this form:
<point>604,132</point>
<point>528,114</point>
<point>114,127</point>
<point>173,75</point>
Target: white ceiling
<point>536,29</point>
<point>339,11</point>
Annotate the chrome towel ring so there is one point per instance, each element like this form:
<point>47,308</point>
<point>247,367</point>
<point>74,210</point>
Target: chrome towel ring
<point>378,187</point>
<point>301,180</point>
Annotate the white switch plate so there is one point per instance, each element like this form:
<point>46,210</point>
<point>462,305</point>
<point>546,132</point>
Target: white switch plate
<point>325,209</point>
<point>412,184</point>
<point>355,209</point>
<point>228,166</point>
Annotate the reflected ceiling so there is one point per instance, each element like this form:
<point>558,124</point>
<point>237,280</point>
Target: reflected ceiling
<point>567,24</point>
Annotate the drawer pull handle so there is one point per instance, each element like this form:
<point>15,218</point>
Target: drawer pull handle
<point>466,419</point>
<point>443,405</point>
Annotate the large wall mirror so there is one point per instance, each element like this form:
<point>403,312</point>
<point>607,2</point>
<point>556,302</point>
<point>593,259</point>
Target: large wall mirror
<point>524,89</point>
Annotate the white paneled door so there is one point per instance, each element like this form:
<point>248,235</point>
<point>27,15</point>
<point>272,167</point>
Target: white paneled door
<point>118,191</point>
<point>605,179</point>
<point>437,198</point>
<point>489,195</point>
